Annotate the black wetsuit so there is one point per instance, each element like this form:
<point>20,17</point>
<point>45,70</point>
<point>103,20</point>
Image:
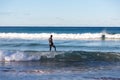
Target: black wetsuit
<point>51,43</point>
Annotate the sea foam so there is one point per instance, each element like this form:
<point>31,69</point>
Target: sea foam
<point>57,36</point>
<point>16,56</point>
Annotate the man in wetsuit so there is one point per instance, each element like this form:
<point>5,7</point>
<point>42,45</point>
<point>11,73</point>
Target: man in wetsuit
<point>51,44</point>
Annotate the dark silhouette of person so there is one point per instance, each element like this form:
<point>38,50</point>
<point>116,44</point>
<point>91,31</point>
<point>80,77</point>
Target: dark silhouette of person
<point>103,37</point>
<point>51,44</point>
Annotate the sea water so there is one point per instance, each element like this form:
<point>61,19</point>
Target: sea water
<point>81,53</point>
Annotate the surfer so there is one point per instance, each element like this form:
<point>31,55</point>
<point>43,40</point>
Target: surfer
<point>103,35</point>
<point>51,44</point>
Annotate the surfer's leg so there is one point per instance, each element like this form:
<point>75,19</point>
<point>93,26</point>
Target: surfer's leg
<point>50,48</point>
<point>54,47</point>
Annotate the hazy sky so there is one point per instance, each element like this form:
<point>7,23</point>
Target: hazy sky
<point>60,12</point>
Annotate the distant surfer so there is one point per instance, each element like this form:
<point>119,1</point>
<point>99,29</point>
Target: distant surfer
<point>103,35</point>
<point>51,44</point>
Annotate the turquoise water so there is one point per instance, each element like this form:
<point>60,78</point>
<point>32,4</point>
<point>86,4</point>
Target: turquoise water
<point>58,29</point>
<point>81,53</point>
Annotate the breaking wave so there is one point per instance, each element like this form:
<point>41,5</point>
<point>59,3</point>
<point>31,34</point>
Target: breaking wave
<point>57,36</point>
<point>58,56</point>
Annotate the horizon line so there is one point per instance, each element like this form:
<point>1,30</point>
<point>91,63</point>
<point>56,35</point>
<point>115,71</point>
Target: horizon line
<point>51,26</point>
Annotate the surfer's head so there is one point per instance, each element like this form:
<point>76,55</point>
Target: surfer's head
<point>51,35</point>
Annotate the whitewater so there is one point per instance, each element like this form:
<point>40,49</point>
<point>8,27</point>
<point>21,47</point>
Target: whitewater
<point>12,56</point>
<point>58,36</point>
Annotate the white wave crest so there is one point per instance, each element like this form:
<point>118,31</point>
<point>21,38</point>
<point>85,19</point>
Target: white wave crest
<point>16,56</point>
<point>63,36</point>
<point>25,56</point>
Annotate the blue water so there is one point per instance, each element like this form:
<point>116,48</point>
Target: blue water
<point>59,29</point>
<point>81,53</point>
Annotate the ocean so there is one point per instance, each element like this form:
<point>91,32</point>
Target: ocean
<point>83,53</point>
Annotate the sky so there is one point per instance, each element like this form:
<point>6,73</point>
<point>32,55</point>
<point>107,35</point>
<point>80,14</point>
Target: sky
<point>59,12</point>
